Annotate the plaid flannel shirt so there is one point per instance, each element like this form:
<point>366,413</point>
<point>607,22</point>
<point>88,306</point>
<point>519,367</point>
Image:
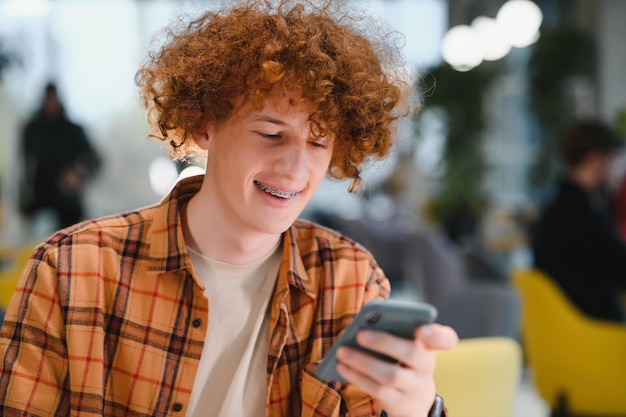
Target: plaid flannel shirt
<point>110,319</point>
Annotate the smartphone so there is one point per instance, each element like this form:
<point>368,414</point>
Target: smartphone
<point>398,317</point>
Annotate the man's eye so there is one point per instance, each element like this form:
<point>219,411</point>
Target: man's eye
<point>269,135</point>
<point>319,145</point>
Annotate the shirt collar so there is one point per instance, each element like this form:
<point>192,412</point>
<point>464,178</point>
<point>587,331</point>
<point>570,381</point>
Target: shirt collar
<point>292,265</point>
<point>167,221</point>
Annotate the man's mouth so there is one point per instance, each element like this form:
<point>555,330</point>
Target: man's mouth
<point>275,193</point>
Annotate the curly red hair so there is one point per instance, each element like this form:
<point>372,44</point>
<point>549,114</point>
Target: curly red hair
<point>357,82</point>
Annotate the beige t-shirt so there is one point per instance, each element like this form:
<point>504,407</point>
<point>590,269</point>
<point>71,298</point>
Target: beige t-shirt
<point>231,378</point>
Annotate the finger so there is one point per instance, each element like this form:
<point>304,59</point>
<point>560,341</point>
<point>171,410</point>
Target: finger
<point>410,353</point>
<point>379,371</point>
<point>397,348</point>
<point>356,368</point>
<point>401,388</point>
<point>437,336</point>
<point>369,386</point>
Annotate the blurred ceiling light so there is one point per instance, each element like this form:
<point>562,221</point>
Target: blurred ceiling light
<point>25,8</point>
<point>163,175</point>
<point>519,22</point>
<point>495,45</point>
<point>461,47</point>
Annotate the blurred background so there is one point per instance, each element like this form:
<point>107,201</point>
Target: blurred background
<point>497,79</point>
<point>496,85</point>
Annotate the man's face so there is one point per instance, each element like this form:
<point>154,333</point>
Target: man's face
<point>51,106</point>
<point>602,164</point>
<point>264,165</point>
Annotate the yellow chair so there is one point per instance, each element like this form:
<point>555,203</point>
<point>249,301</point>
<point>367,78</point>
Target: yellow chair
<point>13,260</point>
<point>578,363</point>
<point>480,377</point>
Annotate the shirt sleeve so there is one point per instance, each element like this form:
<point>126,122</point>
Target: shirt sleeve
<point>32,346</point>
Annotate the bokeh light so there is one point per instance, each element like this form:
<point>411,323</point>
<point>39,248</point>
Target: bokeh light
<point>519,22</point>
<point>516,24</point>
<point>494,45</point>
<point>462,48</point>
<point>163,175</point>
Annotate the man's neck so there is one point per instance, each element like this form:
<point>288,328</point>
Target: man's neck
<point>207,232</point>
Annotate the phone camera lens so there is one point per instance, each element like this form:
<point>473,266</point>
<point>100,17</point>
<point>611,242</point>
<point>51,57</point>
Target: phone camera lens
<point>373,317</point>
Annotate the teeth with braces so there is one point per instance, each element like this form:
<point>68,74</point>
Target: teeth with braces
<point>277,193</point>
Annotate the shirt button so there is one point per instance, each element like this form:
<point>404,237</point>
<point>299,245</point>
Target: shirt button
<point>177,407</point>
<point>196,323</point>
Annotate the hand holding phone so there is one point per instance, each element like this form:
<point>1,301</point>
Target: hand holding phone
<point>397,317</point>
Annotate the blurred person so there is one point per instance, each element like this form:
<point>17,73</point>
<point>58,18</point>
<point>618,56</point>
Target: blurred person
<point>618,194</point>
<point>58,161</point>
<point>218,301</point>
<point>575,241</point>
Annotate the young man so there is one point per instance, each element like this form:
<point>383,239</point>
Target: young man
<point>575,240</point>
<point>218,301</point>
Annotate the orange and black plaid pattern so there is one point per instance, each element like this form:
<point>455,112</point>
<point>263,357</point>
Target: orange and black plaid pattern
<point>109,319</point>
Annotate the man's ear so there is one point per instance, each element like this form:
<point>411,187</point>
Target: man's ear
<point>202,137</point>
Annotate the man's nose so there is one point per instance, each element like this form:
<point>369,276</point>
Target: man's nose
<point>293,161</point>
